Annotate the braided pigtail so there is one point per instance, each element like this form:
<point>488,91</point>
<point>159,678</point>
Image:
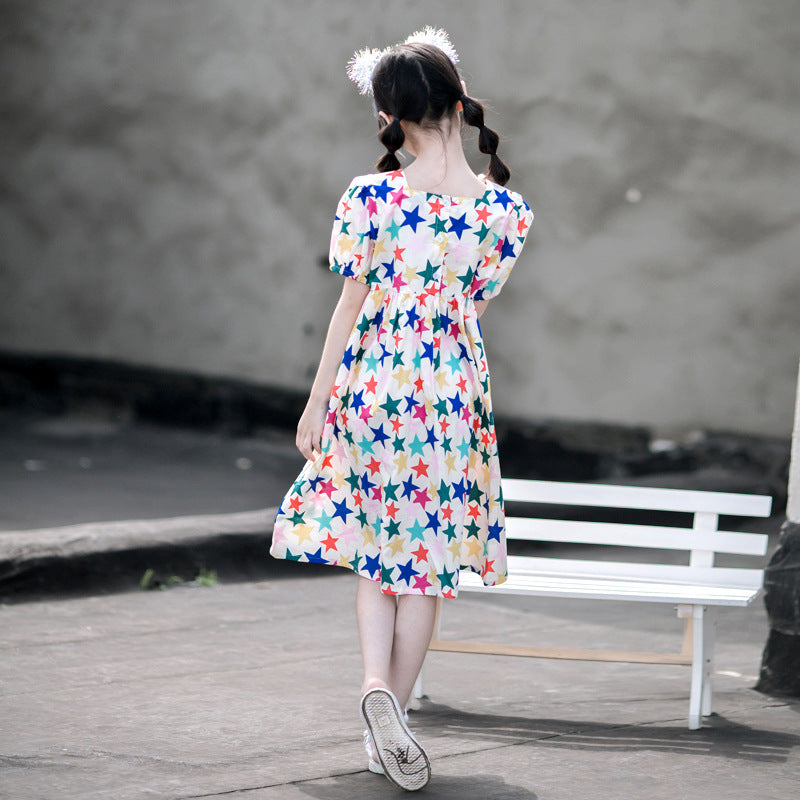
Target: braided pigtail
<point>487,140</point>
<point>392,138</point>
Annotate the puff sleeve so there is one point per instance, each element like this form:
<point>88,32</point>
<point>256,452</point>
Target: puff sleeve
<point>498,263</point>
<point>354,232</point>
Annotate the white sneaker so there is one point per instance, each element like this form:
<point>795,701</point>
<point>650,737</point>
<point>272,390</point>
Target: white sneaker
<point>372,763</point>
<point>402,758</point>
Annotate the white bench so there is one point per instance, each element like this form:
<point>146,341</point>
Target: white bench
<point>696,588</point>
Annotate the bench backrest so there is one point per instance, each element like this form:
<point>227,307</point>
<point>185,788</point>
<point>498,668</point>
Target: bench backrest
<point>702,540</point>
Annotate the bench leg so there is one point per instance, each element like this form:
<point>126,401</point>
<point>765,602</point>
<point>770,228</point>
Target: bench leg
<point>709,631</point>
<point>698,668</point>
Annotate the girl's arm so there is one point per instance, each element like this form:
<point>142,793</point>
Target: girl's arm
<point>480,307</point>
<point>309,429</point>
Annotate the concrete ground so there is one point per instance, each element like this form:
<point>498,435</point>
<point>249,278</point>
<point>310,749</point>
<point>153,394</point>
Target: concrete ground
<point>248,688</point>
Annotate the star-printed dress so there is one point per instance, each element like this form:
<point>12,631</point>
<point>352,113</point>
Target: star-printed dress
<point>406,488</point>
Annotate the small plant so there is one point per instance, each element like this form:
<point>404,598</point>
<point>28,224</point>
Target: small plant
<point>205,577</point>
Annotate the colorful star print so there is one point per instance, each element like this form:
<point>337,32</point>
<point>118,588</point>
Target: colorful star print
<point>406,489</point>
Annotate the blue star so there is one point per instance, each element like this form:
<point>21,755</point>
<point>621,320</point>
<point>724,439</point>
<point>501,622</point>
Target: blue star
<point>459,224</point>
<point>457,403</point>
<point>431,436</point>
<point>427,350</point>
<point>380,436</point>
<point>410,402</point>
<point>413,218</point>
<point>412,317</point>
<point>316,558</point>
<point>365,483</point>
<point>371,564</point>
<point>364,192</point>
<point>507,250</point>
<point>373,231</point>
<point>347,360</point>
<point>433,521</point>
<point>407,571</point>
<point>357,400</point>
<point>382,190</point>
<point>459,490</point>
<point>502,197</point>
<point>408,487</point>
<point>342,510</point>
<point>495,529</point>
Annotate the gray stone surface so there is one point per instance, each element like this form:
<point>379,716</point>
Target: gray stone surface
<point>170,171</point>
<point>250,691</point>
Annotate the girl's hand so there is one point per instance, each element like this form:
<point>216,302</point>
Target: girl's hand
<point>309,429</point>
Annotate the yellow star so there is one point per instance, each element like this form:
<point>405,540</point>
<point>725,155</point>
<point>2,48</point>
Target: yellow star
<point>441,379</point>
<point>450,461</point>
<point>345,244</point>
<point>302,532</point>
<point>379,248</point>
<point>441,244</point>
<point>396,544</point>
<point>410,274</point>
<point>343,562</point>
<point>368,535</point>
<point>473,546</point>
<point>401,461</point>
<point>401,375</point>
<point>450,276</point>
<point>455,548</point>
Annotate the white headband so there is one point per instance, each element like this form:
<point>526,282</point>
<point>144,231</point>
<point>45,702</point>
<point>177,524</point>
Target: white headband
<point>361,66</point>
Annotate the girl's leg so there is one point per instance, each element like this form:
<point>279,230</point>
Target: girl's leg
<point>375,613</point>
<point>413,627</point>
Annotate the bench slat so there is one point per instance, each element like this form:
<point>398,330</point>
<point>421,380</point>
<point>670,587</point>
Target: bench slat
<point>733,577</point>
<point>644,497</point>
<point>655,536</point>
<point>607,589</point>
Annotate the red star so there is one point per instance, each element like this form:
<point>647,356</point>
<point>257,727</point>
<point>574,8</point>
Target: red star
<point>421,554</point>
<point>294,504</point>
<point>398,252</point>
<point>445,424</point>
<point>371,385</point>
<point>483,214</point>
<point>420,468</point>
<point>330,542</point>
<point>397,337</point>
<point>374,466</point>
<point>447,513</point>
<point>475,511</point>
<point>487,568</point>
<point>419,383</point>
<point>396,424</point>
<point>462,384</point>
<point>391,510</point>
<point>327,462</point>
<point>522,226</point>
<point>345,208</point>
<point>436,206</point>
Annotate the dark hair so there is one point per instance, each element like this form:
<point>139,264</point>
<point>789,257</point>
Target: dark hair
<point>418,82</point>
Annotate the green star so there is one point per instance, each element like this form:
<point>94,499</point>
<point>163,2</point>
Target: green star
<point>446,578</point>
<point>429,273</point>
<point>444,492</point>
<point>386,574</point>
<point>392,528</point>
<point>483,232</point>
<point>355,561</point>
<point>450,531</point>
<point>390,406</point>
<point>438,226</point>
<point>390,490</point>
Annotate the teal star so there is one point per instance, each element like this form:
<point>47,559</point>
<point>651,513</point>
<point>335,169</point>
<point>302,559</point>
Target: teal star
<point>324,520</point>
<point>446,578</point>
<point>417,531</point>
<point>394,229</point>
<point>416,445</point>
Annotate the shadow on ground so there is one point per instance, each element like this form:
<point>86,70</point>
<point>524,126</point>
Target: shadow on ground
<point>719,737</point>
<point>472,787</point>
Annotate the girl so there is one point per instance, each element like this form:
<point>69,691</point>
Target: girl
<point>402,482</point>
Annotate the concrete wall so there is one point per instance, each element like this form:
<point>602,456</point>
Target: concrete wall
<point>169,174</point>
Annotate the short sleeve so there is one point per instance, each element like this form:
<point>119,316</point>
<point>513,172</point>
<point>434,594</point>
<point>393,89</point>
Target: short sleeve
<point>354,232</point>
<point>497,264</point>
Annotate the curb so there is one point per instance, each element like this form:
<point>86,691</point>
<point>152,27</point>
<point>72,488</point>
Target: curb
<point>101,557</point>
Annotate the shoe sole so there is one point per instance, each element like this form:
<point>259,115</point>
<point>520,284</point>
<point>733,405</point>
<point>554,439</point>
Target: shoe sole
<point>404,761</point>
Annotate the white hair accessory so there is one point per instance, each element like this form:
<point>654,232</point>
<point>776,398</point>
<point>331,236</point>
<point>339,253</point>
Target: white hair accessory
<point>363,62</point>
